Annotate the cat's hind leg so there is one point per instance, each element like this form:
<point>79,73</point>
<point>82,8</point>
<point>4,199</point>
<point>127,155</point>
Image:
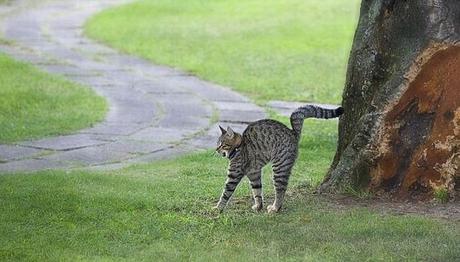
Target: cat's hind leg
<point>282,171</point>
<point>256,186</point>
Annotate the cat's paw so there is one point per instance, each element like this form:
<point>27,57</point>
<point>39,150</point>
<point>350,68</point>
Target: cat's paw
<point>272,209</point>
<point>218,209</point>
<point>257,207</point>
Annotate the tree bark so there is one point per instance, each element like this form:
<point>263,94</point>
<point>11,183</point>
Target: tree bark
<point>400,132</point>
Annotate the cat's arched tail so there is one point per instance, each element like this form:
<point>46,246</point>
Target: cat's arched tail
<point>307,111</point>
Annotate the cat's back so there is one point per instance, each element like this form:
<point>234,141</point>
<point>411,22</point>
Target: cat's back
<point>267,124</point>
<point>267,130</point>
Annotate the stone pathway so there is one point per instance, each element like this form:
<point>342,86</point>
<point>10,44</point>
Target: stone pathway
<point>155,112</point>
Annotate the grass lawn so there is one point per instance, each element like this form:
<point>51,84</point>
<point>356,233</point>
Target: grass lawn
<point>268,49</point>
<point>34,104</point>
<point>162,212</point>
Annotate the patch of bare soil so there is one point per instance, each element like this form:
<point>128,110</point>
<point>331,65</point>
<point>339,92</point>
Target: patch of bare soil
<point>434,209</point>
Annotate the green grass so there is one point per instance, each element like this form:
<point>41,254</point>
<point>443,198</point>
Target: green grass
<point>34,104</point>
<point>441,194</point>
<point>162,212</point>
<point>268,49</point>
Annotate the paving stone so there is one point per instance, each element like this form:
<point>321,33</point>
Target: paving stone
<point>160,135</point>
<point>120,93</point>
<point>64,142</point>
<point>133,100</point>
<point>6,9</point>
<point>180,122</point>
<point>155,87</point>
<point>24,29</point>
<point>14,152</point>
<point>66,24</point>
<point>89,156</point>
<point>127,114</point>
<point>63,53</point>
<point>120,129</point>
<point>237,116</point>
<point>136,147</point>
<point>92,81</point>
<point>61,69</point>
<point>185,105</point>
<point>205,141</point>
<point>127,79</point>
<point>127,60</point>
<point>160,71</point>
<point>30,165</point>
<point>240,106</point>
<point>104,137</point>
<point>67,38</point>
<point>99,52</point>
<point>80,74</point>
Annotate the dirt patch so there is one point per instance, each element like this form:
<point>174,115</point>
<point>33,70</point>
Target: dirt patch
<point>433,209</point>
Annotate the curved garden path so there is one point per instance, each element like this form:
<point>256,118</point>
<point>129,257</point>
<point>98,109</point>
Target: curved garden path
<point>155,111</point>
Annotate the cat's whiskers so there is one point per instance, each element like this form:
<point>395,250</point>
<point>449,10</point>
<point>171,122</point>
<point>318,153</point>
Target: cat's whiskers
<point>214,154</point>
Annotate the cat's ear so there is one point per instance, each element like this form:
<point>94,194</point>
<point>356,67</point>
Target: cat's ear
<point>230,132</point>
<point>222,130</point>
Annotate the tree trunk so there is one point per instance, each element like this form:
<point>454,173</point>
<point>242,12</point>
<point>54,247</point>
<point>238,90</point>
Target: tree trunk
<point>400,132</point>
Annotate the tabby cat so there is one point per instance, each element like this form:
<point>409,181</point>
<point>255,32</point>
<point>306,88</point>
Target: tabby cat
<point>262,142</point>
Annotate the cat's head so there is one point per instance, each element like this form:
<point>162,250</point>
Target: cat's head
<point>228,141</point>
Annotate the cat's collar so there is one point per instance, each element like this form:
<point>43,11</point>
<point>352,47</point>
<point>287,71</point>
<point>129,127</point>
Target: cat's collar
<point>234,153</point>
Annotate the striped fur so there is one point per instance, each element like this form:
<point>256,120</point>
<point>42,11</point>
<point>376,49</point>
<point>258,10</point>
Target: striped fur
<point>265,141</point>
<point>307,111</point>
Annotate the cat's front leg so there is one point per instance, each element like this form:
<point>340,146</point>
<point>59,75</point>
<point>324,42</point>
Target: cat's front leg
<point>233,180</point>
